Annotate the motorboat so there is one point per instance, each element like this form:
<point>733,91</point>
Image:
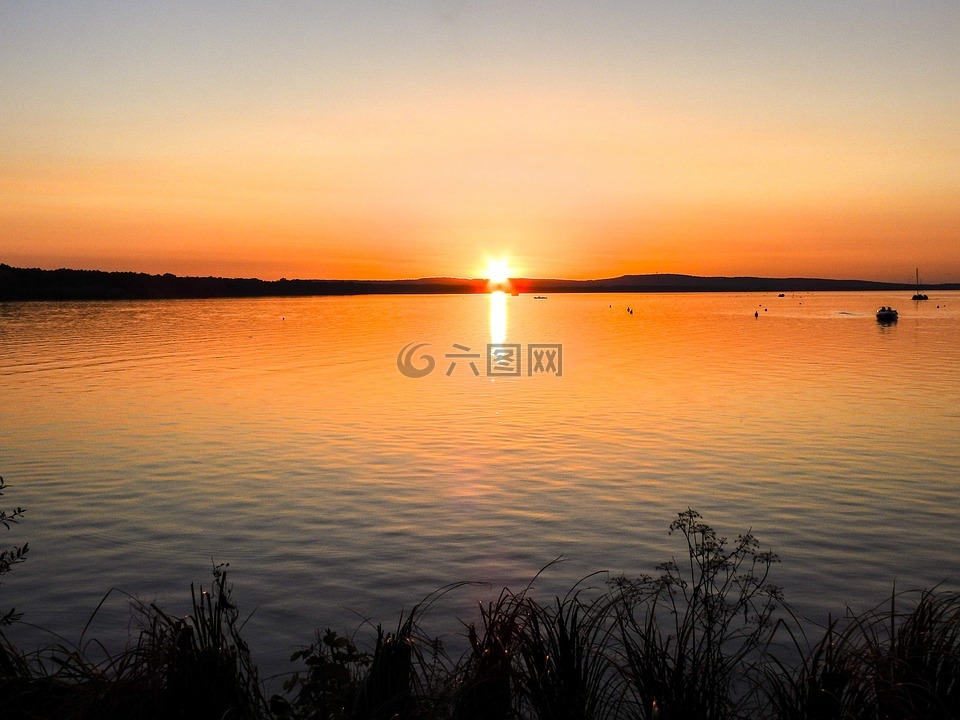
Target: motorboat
<point>886,315</point>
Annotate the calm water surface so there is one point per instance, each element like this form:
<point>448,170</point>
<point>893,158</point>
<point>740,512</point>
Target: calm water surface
<point>149,439</point>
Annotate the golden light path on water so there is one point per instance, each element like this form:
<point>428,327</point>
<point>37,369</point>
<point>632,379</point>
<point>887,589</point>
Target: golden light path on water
<point>498,317</point>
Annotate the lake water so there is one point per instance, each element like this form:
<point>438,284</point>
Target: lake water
<point>147,440</point>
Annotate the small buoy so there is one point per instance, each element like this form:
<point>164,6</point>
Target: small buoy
<point>756,313</point>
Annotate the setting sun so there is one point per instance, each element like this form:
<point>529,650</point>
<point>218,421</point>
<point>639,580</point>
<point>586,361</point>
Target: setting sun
<point>497,271</point>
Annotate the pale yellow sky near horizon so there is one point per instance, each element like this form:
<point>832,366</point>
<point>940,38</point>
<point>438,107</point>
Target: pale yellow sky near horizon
<point>362,140</point>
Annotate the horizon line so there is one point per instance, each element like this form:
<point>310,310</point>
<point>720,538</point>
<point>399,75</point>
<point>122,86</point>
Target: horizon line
<point>426,278</point>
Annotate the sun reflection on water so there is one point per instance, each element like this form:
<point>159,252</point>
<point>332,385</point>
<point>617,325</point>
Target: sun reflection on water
<point>498,317</point>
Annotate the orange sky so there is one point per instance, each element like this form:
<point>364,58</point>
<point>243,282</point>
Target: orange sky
<point>359,141</point>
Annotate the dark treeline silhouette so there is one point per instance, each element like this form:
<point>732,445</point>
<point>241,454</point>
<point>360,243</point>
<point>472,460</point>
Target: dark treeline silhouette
<point>65,284</point>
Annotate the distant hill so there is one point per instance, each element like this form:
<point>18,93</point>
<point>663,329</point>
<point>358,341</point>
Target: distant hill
<point>64,284</point>
<point>667,282</point>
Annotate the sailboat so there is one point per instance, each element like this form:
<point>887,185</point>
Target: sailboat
<point>919,295</point>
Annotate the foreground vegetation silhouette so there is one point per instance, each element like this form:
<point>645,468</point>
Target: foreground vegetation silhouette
<point>706,637</point>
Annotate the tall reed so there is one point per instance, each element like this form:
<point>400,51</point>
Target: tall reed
<point>202,659</point>
<point>488,678</point>
<point>883,663</point>
<point>569,672</point>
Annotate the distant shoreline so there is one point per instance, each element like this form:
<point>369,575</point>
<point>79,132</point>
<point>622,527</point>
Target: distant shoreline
<point>34,284</point>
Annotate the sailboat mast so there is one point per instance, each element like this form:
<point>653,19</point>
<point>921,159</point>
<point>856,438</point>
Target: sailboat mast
<point>919,295</point>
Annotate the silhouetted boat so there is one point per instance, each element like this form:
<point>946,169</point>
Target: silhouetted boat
<point>539,297</point>
<point>886,315</point>
<point>919,295</point>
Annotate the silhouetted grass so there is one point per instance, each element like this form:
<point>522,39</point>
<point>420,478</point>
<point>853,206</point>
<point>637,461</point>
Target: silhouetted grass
<point>195,666</point>
<point>488,678</point>
<point>882,663</point>
<point>569,670</point>
<point>708,637</point>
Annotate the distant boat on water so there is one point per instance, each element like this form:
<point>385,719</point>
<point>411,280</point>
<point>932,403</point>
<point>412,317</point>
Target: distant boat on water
<point>919,295</point>
<point>887,315</point>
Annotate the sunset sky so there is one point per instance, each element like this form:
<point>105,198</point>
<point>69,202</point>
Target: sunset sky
<point>393,140</point>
